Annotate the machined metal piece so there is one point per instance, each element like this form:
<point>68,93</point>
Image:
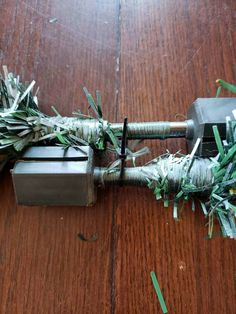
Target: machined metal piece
<point>204,113</point>
<point>54,176</point>
<point>153,130</point>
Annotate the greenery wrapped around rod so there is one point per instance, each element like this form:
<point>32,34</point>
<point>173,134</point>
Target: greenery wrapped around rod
<point>22,124</point>
<point>221,193</point>
<point>217,198</point>
<point>176,179</point>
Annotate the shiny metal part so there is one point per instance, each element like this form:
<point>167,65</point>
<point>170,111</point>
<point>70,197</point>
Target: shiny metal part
<point>153,130</point>
<point>54,176</point>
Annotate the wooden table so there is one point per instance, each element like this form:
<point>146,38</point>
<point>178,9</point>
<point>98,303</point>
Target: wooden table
<point>150,59</point>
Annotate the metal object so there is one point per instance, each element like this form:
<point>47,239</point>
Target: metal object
<point>48,176</point>
<point>53,176</point>
<point>202,115</point>
<point>153,130</point>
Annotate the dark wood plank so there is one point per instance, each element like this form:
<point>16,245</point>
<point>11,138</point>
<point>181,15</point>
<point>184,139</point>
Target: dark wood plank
<point>171,53</point>
<point>45,267</point>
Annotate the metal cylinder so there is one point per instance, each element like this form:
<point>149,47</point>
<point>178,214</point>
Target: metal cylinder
<point>91,129</point>
<point>153,130</point>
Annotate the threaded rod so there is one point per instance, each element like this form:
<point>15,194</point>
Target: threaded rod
<point>152,130</point>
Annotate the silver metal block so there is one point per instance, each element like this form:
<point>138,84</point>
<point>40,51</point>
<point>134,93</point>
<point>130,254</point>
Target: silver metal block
<point>54,176</point>
<point>204,113</point>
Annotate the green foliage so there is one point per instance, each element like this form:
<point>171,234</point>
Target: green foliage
<point>22,124</point>
<point>95,106</point>
<point>222,200</point>
<point>222,84</point>
<point>222,192</point>
<point>158,292</point>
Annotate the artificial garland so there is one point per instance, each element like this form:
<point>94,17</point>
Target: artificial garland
<point>22,123</point>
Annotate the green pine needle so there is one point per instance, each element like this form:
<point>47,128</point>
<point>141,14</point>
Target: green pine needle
<point>227,86</point>
<point>158,292</point>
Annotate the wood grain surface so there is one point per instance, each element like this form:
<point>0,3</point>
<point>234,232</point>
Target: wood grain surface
<point>150,59</point>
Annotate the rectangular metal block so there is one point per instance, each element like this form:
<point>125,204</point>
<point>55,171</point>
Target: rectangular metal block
<point>57,153</point>
<point>53,176</point>
<point>206,112</point>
